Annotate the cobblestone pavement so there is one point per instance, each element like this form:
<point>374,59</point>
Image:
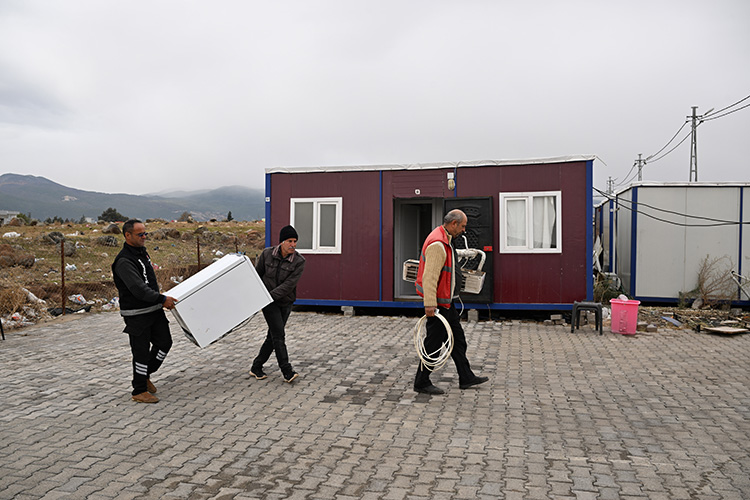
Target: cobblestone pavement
<point>661,415</point>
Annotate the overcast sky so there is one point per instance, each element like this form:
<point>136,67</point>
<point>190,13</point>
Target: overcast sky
<point>147,96</point>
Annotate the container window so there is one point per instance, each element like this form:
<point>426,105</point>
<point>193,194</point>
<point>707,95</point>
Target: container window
<point>318,224</point>
<point>530,222</point>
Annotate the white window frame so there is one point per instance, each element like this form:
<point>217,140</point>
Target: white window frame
<point>528,198</point>
<point>317,202</point>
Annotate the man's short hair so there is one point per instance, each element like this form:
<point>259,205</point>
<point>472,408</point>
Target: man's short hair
<point>127,227</point>
<point>454,215</point>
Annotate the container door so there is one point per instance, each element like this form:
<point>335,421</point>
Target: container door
<point>478,235</point>
<point>413,220</point>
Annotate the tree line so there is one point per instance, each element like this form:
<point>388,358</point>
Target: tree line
<point>111,214</point>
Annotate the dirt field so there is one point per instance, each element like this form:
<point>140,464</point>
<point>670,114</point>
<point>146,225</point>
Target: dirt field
<point>34,267</point>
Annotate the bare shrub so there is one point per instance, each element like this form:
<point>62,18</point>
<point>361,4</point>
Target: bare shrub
<point>606,287</point>
<point>11,299</point>
<point>715,285</point>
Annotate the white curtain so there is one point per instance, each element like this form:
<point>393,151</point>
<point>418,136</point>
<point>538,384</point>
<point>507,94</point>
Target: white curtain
<point>515,217</point>
<point>545,222</point>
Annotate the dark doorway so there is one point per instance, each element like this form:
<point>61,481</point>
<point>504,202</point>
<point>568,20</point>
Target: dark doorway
<point>413,221</point>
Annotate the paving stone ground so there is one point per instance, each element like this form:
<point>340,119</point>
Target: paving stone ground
<point>664,415</point>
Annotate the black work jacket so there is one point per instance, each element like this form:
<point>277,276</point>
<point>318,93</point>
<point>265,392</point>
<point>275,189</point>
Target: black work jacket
<point>135,279</point>
<point>280,275</point>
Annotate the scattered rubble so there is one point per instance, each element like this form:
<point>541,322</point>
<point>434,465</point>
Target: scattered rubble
<point>112,229</point>
<point>70,249</point>
<point>655,319</point>
<point>256,238</point>
<point>52,238</point>
<point>107,241</point>
<point>164,233</point>
<point>694,319</point>
<point>15,255</point>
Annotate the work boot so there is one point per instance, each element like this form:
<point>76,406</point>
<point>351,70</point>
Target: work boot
<point>145,397</point>
<point>150,387</point>
<point>429,389</point>
<point>473,382</point>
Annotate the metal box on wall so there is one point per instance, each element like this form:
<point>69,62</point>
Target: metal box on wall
<point>218,299</point>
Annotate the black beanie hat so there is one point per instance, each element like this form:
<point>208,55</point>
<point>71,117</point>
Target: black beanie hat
<point>286,233</point>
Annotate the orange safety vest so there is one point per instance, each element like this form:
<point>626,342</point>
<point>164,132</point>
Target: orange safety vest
<point>444,298</point>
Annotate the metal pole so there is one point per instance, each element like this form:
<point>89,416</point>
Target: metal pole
<point>694,147</point>
<point>640,166</point>
<point>62,271</point>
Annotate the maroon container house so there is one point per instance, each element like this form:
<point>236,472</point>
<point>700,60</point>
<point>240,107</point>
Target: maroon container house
<point>358,225</point>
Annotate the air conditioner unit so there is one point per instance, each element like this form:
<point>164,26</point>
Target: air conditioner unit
<point>411,267</point>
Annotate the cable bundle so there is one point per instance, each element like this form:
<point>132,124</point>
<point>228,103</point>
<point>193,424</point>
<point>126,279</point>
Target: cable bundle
<point>432,361</point>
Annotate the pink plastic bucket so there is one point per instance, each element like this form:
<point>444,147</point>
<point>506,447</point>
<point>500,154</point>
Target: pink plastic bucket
<point>624,316</point>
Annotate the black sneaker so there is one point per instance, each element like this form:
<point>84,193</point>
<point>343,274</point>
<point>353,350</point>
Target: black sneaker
<point>289,378</point>
<point>258,373</point>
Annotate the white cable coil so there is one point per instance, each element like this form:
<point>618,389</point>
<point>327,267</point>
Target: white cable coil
<point>432,361</point>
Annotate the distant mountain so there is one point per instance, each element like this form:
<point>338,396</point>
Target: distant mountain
<point>177,194</point>
<point>44,199</point>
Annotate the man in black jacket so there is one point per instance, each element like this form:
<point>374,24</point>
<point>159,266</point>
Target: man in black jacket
<point>280,268</point>
<point>142,308</point>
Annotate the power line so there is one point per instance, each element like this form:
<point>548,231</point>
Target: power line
<point>675,147</point>
<point>630,177</point>
<point>626,177</point>
<point>727,113</point>
<point>681,224</point>
<point>668,143</point>
<point>719,222</point>
<point>724,109</point>
<point>711,219</point>
<point>735,223</point>
<point>696,121</point>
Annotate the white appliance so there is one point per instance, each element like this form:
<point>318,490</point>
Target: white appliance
<point>218,299</point>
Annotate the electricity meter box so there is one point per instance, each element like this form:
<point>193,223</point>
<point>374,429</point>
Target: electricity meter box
<point>219,298</point>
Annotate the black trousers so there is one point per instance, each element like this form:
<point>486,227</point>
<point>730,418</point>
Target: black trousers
<point>150,341</point>
<point>276,317</point>
<point>436,335</point>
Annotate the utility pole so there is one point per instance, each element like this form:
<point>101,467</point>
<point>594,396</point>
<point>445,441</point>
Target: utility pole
<point>694,146</point>
<point>640,164</point>
<point>610,185</point>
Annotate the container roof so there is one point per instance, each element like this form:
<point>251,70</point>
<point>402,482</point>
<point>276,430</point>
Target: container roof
<point>427,166</point>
